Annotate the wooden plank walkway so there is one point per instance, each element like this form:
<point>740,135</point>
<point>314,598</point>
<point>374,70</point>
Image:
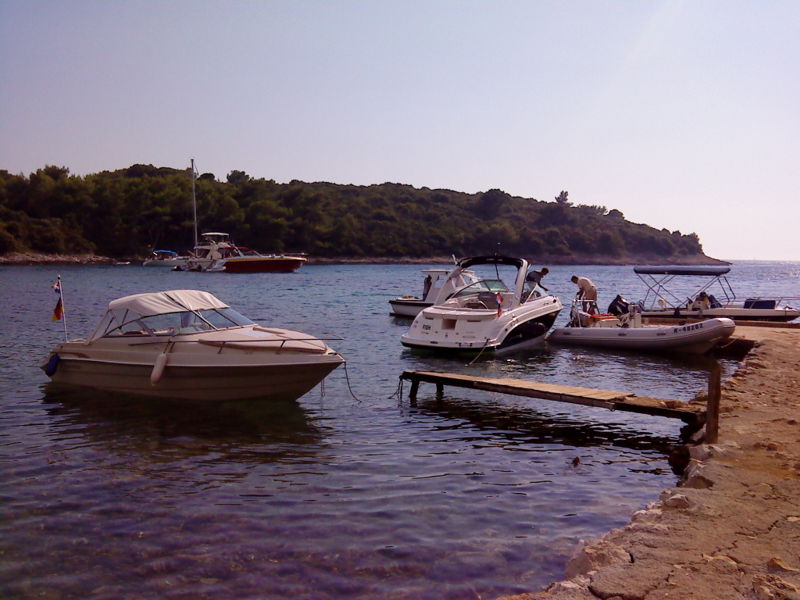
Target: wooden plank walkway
<point>692,414</point>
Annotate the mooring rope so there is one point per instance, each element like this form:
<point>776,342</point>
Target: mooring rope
<point>349,389</point>
<point>470,363</point>
<point>399,391</point>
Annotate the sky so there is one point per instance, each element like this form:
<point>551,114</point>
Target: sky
<point>684,115</point>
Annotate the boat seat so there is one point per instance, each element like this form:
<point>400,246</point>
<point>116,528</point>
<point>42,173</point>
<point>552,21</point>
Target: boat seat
<point>475,304</point>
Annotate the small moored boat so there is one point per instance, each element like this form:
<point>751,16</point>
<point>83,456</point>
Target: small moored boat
<point>188,344</point>
<point>438,283</point>
<point>165,258</point>
<point>622,329</point>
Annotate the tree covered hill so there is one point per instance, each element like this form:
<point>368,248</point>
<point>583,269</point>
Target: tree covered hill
<point>129,212</point>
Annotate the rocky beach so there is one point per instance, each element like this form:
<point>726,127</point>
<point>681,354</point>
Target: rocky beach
<point>38,258</point>
<point>731,529</point>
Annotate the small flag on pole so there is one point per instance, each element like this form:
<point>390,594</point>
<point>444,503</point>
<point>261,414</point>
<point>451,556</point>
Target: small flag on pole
<point>58,311</point>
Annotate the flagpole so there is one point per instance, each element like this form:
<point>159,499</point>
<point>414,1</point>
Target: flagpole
<point>194,203</point>
<point>63,308</point>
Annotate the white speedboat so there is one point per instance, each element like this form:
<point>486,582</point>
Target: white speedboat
<point>438,284</point>
<point>622,329</point>
<point>487,315</point>
<point>165,258</point>
<point>188,344</point>
<point>700,302</point>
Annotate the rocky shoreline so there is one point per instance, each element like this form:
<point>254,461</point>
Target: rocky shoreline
<point>731,529</point>
<point>34,258</point>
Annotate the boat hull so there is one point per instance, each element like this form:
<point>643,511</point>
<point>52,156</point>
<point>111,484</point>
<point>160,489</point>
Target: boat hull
<point>404,307</point>
<point>696,338</point>
<point>476,331</point>
<point>271,382</point>
<point>168,263</point>
<point>263,264</point>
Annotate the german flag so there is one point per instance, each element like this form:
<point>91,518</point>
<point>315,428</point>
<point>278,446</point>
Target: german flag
<point>58,311</point>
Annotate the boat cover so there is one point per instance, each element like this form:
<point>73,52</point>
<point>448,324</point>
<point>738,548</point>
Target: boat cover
<point>130,308</point>
<point>158,303</point>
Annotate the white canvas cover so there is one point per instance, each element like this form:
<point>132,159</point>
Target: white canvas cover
<point>158,303</point>
<point>129,308</point>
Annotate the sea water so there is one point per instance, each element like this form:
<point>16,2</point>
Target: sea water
<point>349,492</point>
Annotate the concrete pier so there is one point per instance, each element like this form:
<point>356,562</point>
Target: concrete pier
<point>731,529</point>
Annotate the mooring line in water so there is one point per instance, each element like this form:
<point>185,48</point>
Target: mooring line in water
<point>399,391</point>
<point>349,389</point>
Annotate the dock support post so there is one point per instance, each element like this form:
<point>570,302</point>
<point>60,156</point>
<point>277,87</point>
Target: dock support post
<point>439,392</point>
<point>413,393</point>
<point>712,407</point>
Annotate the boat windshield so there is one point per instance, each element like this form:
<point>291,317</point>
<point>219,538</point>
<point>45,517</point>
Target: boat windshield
<point>178,323</point>
<point>484,285</point>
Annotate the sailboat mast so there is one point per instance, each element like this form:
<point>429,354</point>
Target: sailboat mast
<point>194,203</point>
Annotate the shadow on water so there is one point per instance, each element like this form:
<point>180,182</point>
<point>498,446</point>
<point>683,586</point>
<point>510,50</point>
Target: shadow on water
<point>522,426</point>
<point>263,431</point>
<point>404,322</point>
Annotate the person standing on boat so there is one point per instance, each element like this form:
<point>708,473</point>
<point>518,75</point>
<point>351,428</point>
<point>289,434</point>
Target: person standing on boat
<point>587,293</point>
<point>535,277</point>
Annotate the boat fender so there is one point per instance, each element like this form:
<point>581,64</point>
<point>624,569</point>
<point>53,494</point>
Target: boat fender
<point>52,365</point>
<point>158,369</point>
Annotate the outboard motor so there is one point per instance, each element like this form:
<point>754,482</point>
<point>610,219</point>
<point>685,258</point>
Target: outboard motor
<point>619,306</point>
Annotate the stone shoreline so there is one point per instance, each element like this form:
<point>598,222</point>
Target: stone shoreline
<point>731,529</point>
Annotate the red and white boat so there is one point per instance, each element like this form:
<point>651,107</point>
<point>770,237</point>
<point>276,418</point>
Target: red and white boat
<point>216,253</point>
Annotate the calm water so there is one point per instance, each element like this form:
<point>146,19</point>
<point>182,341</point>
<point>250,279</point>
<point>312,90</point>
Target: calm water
<point>328,497</point>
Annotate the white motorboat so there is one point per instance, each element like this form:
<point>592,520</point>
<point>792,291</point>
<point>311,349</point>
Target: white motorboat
<point>665,302</point>
<point>188,344</point>
<point>438,286</point>
<point>622,329</point>
<point>487,315</point>
<point>165,258</point>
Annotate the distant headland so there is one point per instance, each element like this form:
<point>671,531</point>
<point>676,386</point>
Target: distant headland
<point>52,217</point>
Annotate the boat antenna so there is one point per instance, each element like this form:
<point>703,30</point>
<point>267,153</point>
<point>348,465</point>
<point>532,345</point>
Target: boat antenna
<point>194,202</point>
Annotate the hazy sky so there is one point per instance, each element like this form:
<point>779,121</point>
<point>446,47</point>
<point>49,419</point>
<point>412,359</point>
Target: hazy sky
<point>682,114</point>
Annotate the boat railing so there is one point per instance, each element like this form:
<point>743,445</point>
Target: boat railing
<point>777,299</point>
<point>658,295</point>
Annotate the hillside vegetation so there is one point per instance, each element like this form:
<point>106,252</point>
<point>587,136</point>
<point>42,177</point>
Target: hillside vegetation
<point>129,212</point>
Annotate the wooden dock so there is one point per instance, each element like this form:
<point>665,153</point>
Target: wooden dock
<point>693,415</point>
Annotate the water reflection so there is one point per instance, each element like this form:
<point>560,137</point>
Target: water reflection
<point>257,431</point>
